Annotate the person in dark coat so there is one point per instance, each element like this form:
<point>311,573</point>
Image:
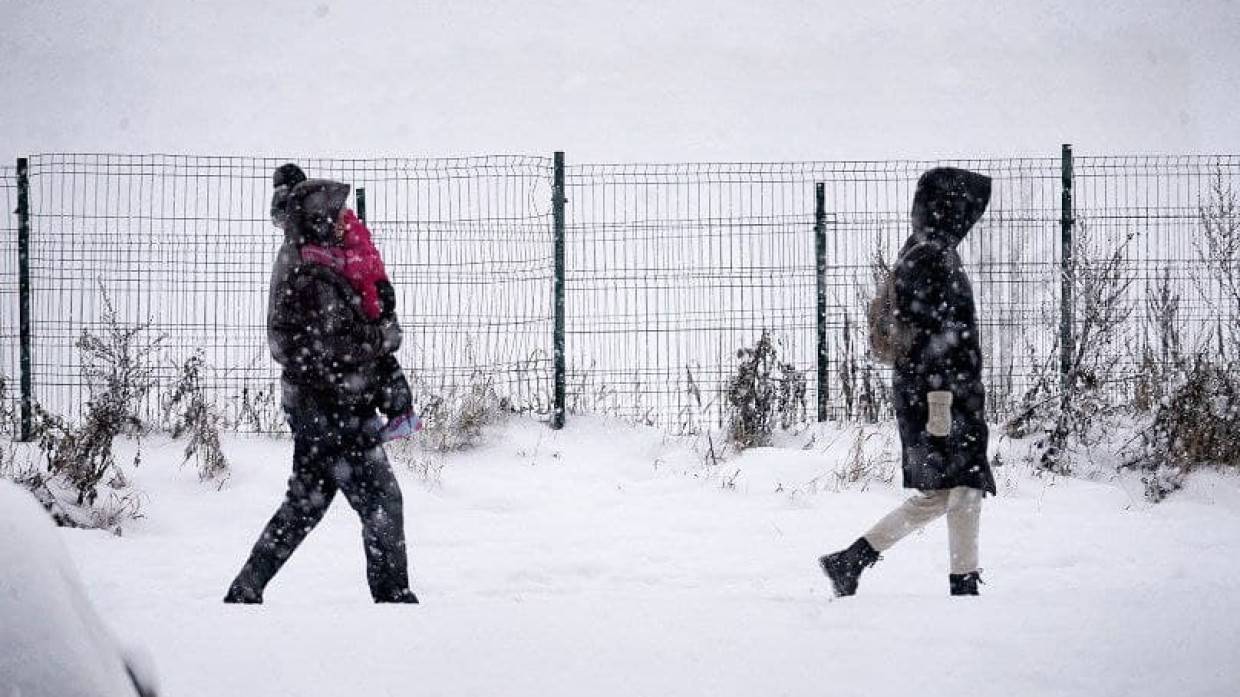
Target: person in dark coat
<point>283,180</point>
<point>938,395</point>
<point>331,357</point>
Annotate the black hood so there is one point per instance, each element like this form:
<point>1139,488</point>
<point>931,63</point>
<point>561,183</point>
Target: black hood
<point>947,204</point>
<point>313,206</point>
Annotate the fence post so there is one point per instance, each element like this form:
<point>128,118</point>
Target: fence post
<point>1067,340</point>
<point>820,255</point>
<point>557,211</point>
<point>361,203</point>
<point>23,290</point>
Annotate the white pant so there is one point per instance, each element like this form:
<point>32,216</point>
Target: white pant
<point>963,506</point>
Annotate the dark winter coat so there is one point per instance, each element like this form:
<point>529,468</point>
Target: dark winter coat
<point>288,257</point>
<point>330,351</point>
<point>935,298</point>
<point>283,180</point>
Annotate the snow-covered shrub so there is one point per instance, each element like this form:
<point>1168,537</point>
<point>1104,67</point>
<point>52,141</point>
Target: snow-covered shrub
<point>426,466</point>
<point>763,394</point>
<point>16,469</point>
<point>454,419</point>
<point>9,468</point>
<point>194,416</point>
<point>1197,425</point>
<point>872,458</point>
<point>695,422</point>
<point>81,455</point>
<point>1035,407</point>
<point>80,485</point>
<point>1196,420</point>
<point>257,410</point>
<point>864,466</point>
<point>118,367</point>
<point>863,386</point>
<point>1082,412</point>
<point>1161,357</point>
<point>1218,248</point>
<point>863,383</point>
<point>8,411</point>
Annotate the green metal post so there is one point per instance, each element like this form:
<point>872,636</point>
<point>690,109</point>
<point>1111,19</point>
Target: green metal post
<point>557,212</point>
<point>361,203</point>
<point>820,254</point>
<point>23,290</point>
<point>1067,339</point>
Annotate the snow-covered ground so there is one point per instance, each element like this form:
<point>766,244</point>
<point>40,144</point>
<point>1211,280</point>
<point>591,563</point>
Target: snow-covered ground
<point>606,560</point>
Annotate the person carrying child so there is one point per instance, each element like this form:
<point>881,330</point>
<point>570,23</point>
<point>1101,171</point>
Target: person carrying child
<point>336,353</point>
<point>355,257</point>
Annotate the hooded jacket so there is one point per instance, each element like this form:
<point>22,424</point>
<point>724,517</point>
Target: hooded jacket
<point>283,180</point>
<point>329,350</point>
<point>935,298</point>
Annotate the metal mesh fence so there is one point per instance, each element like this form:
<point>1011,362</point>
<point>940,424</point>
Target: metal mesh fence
<point>1154,213</point>
<point>673,268</point>
<point>186,244</point>
<point>670,269</point>
<point>9,311</point>
<point>1012,256</point>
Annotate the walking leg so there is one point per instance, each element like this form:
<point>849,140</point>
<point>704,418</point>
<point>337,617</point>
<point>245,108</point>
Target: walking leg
<point>372,491</point>
<point>964,511</point>
<point>844,567</point>
<point>912,515</point>
<point>310,492</point>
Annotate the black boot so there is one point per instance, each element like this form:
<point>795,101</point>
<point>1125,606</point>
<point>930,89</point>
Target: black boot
<point>403,596</point>
<point>964,584</point>
<point>242,594</point>
<point>845,567</point>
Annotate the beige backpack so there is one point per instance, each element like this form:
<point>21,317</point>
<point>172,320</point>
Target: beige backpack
<point>890,338</point>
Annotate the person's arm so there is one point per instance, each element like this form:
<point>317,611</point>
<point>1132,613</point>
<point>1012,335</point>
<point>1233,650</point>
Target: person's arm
<point>387,299</point>
<point>921,279</point>
<point>317,332</point>
<point>339,334</point>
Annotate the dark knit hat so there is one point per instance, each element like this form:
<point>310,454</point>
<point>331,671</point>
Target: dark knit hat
<point>284,178</point>
<point>287,175</point>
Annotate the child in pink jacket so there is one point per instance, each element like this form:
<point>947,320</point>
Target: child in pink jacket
<point>358,260</point>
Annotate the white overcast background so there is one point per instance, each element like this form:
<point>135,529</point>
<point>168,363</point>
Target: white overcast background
<point>620,81</point>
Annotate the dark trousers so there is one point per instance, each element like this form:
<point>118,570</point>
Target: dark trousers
<point>332,452</point>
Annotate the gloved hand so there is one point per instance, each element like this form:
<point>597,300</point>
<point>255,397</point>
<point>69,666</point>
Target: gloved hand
<point>372,431</point>
<point>939,421</point>
<point>401,426</point>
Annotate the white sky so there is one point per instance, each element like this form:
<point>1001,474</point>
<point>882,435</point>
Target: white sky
<point>620,81</point>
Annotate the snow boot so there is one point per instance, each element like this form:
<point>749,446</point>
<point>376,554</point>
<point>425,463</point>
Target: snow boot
<point>240,594</point>
<point>964,584</point>
<point>844,567</point>
<point>405,596</point>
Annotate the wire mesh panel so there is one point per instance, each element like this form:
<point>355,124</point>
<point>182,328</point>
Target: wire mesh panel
<point>673,268</point>
<point>1172,228</point>
<point>1012,257</point>
<point>670,270</point>
<point>10,365</point>
<point>186,244</point>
